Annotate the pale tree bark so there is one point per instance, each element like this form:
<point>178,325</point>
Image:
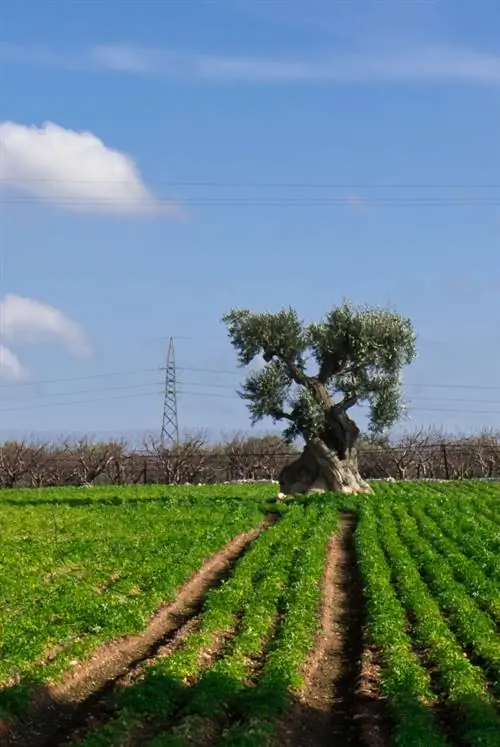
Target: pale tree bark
<point>319,469</point>
<point>329,462</point>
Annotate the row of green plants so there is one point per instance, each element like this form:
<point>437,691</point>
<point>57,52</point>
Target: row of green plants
<point>262,606</point>
<point>478,505</point>
<point>474,628</point>
<point>468,534</point>
<point>489,508</point>
<point>466,570</point>
<point>81,566</point>
<point>74,576</point>
<point>482,494</point>
<point>461,685</point>
<point>405,682</point>
<point>281,676</point>
<point>165,686</point>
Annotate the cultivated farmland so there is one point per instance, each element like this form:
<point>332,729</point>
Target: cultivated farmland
<point>176,616</point>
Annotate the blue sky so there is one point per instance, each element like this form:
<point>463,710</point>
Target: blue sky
<point>201,155</point>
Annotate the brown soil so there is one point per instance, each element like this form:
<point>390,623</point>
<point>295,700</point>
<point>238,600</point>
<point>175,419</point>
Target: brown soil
<point>335,705</point>
<point>62,709</point>
<point>147,731</point>
<point>373,723</point>
<point>102,707</point>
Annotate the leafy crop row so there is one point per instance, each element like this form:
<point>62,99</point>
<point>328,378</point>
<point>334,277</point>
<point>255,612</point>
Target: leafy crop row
<point>405,682</point>
<point>250,680</point>
<point>287,653</point>
<point>474,628</point>
<point>464,684</point>
<point>467,571</point>
<point>221,689</point>
<point>73,576</point>
<point>468,535</point>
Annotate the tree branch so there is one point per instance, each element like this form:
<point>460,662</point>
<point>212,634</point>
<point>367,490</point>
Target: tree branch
<point>296,373</point>
<point>348,401</point>
<point>331,365</point>
<point>282,415</point>
<point>293,369</point>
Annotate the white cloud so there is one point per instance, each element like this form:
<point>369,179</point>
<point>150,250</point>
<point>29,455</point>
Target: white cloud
<point>26,320</point>
<point>10,366</point>
<point>75,170</point>
<point>124,58</point>
<point>410,62</point>
<point>418,64</point>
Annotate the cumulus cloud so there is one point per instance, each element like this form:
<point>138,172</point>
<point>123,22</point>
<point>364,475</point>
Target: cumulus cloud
<point>27,320</point>
<point>74,170</point>
<point>10,366</point>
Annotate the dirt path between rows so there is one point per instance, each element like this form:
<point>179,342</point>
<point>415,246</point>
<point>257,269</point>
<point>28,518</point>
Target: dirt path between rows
<point>338,702</point>
<point>62,708</point>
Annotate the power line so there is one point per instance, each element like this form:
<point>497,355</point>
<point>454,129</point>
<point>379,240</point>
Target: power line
<point>210,395</point>
<point>45,395</point>
<point>210,385</point>
<point>462,411</point>
<point>204,370</point>
<point>413,397</point>
<point>80,401</point>
<point>442,385</point>
<point>263,202</point>
<point>206,2</point>
<point>109,374</point>
<point>262,185</point>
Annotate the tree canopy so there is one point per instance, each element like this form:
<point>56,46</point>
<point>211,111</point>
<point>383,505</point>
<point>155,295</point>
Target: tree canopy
<point>359,352</point>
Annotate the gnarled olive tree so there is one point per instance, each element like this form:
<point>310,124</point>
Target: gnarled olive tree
<point>359,352</point>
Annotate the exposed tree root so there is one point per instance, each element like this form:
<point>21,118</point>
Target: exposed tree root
<point>319,469</point>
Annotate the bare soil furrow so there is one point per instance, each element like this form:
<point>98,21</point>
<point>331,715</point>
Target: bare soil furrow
<point>148,730</point>
<point>332,707</point>
<point>371,713</point>
<point>60,710</point>
<point>103,707</point>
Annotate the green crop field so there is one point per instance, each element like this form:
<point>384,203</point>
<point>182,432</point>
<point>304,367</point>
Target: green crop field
<point>181,616</point>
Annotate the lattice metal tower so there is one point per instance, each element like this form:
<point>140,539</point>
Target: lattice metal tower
<point>170,423</point>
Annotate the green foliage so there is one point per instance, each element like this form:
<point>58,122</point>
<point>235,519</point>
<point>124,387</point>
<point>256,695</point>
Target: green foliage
<point>466,570</point>
<point>81,566</point>
<point>266,391</point>
<point>282,335</point>
<point>308,417</point>
<point>359,352</point>
<point>473,628</point>
<point>464,684</point>
<point>405,681</point>
<point>273,576</point>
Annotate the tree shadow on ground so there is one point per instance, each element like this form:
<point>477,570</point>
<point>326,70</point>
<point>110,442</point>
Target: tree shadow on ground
<point>218,705</point>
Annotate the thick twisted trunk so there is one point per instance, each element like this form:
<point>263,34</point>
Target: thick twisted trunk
<point>329,462</point>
